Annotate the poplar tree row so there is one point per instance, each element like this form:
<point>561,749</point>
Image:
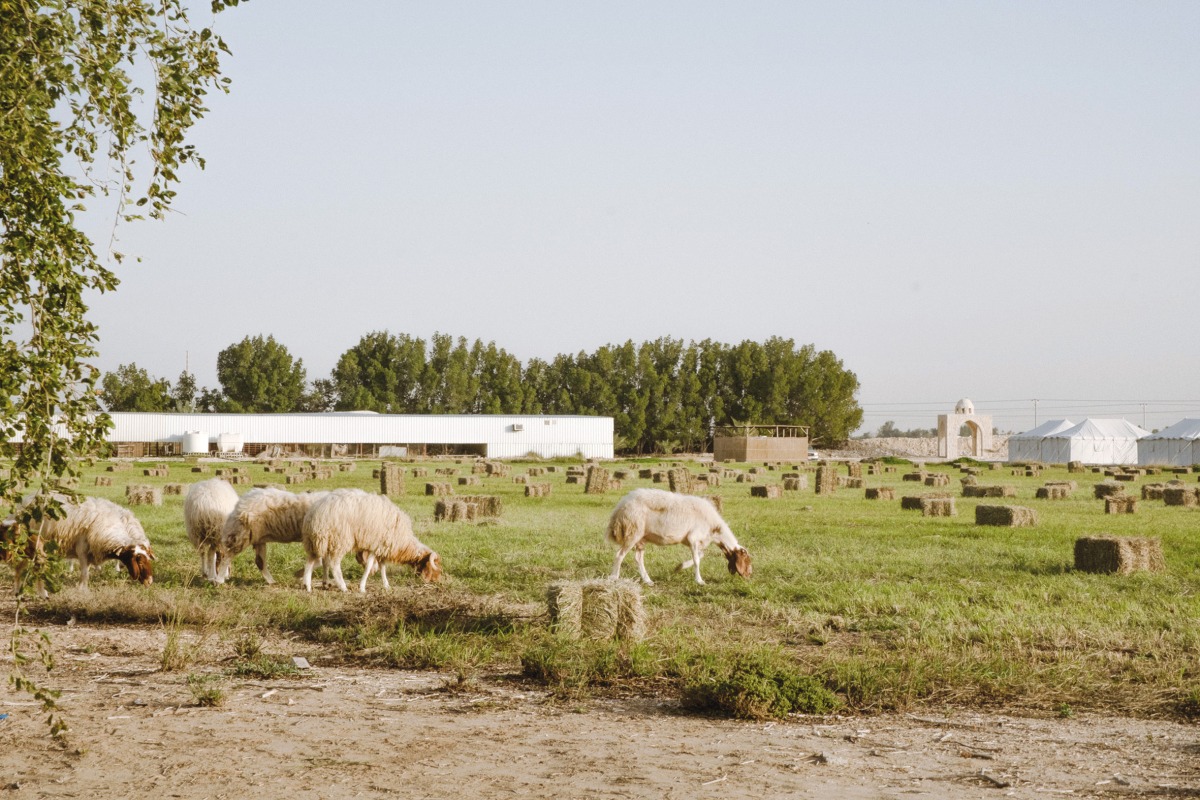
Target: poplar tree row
<point>666,395</point>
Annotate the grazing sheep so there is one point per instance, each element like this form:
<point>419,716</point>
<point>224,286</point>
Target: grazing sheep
<point>264,516</point>
<point>658,517</point>
<point>352,520</point>
<point>93,531</point>
<point>205,509</point>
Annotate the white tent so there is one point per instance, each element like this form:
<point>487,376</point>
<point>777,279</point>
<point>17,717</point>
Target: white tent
<point>1178,445</point>
<point>1027,446</point>
<point>1095,441</point>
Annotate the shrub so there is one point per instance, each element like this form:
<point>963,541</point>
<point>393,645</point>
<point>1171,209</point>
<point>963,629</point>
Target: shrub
<point>759,685</point>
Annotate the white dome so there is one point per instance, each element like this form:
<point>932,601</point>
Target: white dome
<point>964,406</point>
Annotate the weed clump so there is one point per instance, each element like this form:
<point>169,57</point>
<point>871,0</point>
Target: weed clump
<point>759,685</point>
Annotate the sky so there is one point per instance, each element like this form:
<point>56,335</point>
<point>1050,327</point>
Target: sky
<point>991,200</point>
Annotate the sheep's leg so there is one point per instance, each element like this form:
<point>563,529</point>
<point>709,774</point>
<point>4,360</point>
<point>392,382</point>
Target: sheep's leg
<point>336,569</point>
<point>308,568</point>
<point>622,551</point>
<point>368,568</point>
<point>697,552</point>
<point>83,573</point>
<point>639,556</point>
<point>260,561</point>
<point>383,575</point>
<point>224,565</point>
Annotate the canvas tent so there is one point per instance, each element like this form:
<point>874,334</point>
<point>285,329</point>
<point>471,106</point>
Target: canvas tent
<point>1176,446</point>
<point>1027,446</point>
<point>1095,441</point>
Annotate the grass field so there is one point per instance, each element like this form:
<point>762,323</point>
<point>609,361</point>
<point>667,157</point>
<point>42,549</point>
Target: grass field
<point>854,604</point>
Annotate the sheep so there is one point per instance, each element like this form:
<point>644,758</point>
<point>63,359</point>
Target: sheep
<point>352,520</point>
<point>205,510</point>
<point>660,517</point>
<point>92,531</point>
<point>263,516</point>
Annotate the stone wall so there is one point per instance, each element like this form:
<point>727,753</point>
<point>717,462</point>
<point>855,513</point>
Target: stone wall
<point>916,448</point>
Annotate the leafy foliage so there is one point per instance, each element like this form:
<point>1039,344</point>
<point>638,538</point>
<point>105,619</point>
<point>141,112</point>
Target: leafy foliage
<point>260,375</point>
<point>131,388</point>
<point>67,96</point>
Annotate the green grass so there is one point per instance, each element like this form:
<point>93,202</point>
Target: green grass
<point>854,604</point>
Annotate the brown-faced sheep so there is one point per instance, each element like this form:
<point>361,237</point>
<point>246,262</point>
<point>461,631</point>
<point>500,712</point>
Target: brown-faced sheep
<point>658,517</point>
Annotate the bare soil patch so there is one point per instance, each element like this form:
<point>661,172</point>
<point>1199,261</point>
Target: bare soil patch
<point>337,731</point>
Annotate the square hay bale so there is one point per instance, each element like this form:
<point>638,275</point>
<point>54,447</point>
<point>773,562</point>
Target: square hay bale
<point>712,480</point>
<point>1106,489</point>
<point>1118,555</point>
<point>438,490</point>
<point>1120,504</point>
<point>520,479</point>
<point>938,507</point>
<point>173,488</point>
<point>103,480</point>
<point>881,493</point>
<point>468,480</point>
<point>769,491</point>
<point>854,483</point>
<point>346,466</point>
<point>889,468</point>
<point>1050,492</point>
<point>937,479</point>
<point>488,505</point>
<point>599,481</point>
<point>970,480</point>
<point>419,472</point>
<point>1075,466</point>
<point>497,469</point>
<point>552,468</point>
<point>375,474</point>
<point>536,472</point>
<point>479,468</point>
<point>564,601</point>
<point>297,478</point>
<point>680,480</point>
<point>717,501</point>
<point>746,477</point>
<point>826,480</point>
<point>1173,496</point>
<point>795,483</point>
<point>645,474</point>
<point>201,469</point>
<point>1005,516</point>
<point>139,494</point>
<point>537,490</point>
<point>577,470</point>
<point>622,475</point>
<point>391,479</point>
<point>911,503</point>
<point>854,469</point>
<point>1125,476</point>
<point>574,479</point>
<point>914,477</point>
<point>1153,491</point>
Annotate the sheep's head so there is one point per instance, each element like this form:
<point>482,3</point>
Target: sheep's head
<point>429,567</point>
<point>136,559</point>
<point>738,559</point>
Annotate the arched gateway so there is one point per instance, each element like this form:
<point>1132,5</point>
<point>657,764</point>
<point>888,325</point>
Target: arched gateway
<point>949,425</point>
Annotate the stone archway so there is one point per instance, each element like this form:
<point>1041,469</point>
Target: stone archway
<point>950,424</point>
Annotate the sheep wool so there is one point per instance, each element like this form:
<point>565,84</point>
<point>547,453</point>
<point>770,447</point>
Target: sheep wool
<point>264,516</point>
<point>97,530</point>
<point>205,509</point>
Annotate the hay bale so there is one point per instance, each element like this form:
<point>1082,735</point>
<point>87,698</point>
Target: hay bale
<point>497,469</point>
<point>712,480</point>
<point>599,481</point>
<point>468,480</point>
<point>535,472</point>
<point>1120,504</point>
<point>297,478</point>
<point>913,477</point>
<point>574,479</point>
<point>1125,477</point>
<point>419,472</point>
<point>1106,489</point>
<point>938,507</point>
<point>200,470</point>
<point>769,491</point>
<point>989,491</point>
<point>1053,492</point>
<point>1075,467</point>
<point>564,601</point>
<point>445,472</point>
<point>1179,497</point>
<point>645,474</point>
<point>796,483</point>
<point>826,480</point>
<point>680,480</point>
<point>911,503</point>
<point>103,480</point>
<point>537,490</point>
<point>1118,555</point>
<point>1005,516</point>
<point>881,493</point>
<point>888,468</point>
<point>346,466</point>
<point>489,505</point>
<point>937,479</point>
<point>438,489</point>
<point>854,469</point>
<point>173,488</point>
<point>746,477</point>
<point>1153,491</point>
<point>139,494</point>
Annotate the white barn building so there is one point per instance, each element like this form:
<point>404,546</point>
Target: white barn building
<point>363,433</point>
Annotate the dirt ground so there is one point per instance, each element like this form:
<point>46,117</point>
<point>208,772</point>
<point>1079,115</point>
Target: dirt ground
<point>337,732</point>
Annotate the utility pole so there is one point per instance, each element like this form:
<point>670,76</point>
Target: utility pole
<point>1035,412</point>
<point>1144,416</point>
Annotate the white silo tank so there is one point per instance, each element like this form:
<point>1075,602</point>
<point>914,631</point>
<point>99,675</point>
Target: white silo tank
<point>195,442</point>
<point>230,442</point>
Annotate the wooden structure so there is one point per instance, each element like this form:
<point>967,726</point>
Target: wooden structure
<point>761,443</point>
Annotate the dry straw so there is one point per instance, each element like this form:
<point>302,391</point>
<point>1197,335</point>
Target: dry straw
<point>826,480</point>
<point>438,489</point>
<point>938,507</point>
<point>769,491</point>
<point>1179,497</point>
<point>680,480</point>
<point>1005,516</point>
<point>489,505</point>
<point>173,488</point>
<point>937,479</point>
<point>103,480</point>
<point>1106,489</point>
<point>1121,504</point>
<point>598,609</point>
<point>139,494</point>
<point>599,481</point>
<point>537,490</point>
<point>1118,554</point>
<point>1050,492</point>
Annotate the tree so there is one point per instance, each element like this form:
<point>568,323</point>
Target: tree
<point>258,375</point>
<point>183,395</point>
<point>131,388</point>
<point>67,98</point>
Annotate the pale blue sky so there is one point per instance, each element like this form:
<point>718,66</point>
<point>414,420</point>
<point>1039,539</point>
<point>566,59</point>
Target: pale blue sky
<point>992,200</point>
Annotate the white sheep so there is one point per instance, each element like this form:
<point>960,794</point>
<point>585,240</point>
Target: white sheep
<point>263,516</point>
<point>659,517</point>
<point>370,524</point>
<point>205,509</point>
<point>93,531</point>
